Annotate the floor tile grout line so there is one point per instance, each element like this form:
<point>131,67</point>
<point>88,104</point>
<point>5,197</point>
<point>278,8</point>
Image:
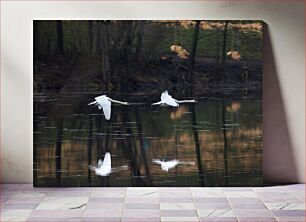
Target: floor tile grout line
<point>37,204</point>
<point>10,196</point>
<point>230,205</point>
<point>5,202</point>
<point>194,203</point>
<point>23,185</point>
<point>265,204</point>
<point>123,206</point>
<point>294,194</point>
<point>158,197</point>
<point>91,191</point>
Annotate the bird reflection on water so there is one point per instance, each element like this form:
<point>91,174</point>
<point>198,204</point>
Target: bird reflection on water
<point>104,168</point>
<point>166,165</point>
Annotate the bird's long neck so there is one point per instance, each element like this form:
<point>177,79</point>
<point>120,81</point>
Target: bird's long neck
<point>186,101</point>
<point>117,101</point>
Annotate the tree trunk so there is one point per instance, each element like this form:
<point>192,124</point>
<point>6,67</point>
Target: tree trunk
<point>94,37</point>
<point>131,150</point>
<point>58,151</point>
<point>224,43</point>
<point>89,148</point>
<point>60,37</point>
<point>90,36</point>
<point>143,151</point>
<point>220,71</point>
<point>126,53</point>
<point>128,40</point>
<point>104,52</point>
<point>99,138</point>
<point>139,39</point>
<point>225,144</point>
<point>194,45</point>
<point>218,46</point>
<point>197,145</point>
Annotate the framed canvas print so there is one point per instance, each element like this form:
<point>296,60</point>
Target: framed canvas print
<point>147,103</point>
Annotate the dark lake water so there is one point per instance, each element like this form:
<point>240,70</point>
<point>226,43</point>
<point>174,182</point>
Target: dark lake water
<point>220,138</point>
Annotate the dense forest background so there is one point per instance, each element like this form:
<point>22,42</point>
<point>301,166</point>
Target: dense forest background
<point>132,56</point>
<point>218,63</point>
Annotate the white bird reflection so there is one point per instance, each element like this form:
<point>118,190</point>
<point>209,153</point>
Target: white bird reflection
<point>167,100</point>
<point>104,168</point>
<point>166,165</point>
<point>104,102</point>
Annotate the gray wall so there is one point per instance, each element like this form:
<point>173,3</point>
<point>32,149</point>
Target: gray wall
<point>284,75</point>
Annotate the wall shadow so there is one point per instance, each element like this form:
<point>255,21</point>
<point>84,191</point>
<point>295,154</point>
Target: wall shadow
<point>278,160</point>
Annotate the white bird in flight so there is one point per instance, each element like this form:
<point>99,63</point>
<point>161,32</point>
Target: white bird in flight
<point>104,102</point>
<point>166,99</point>
<point>167,165</point>
<point>104,168</point>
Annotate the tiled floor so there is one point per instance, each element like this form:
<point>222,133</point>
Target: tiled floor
<point>22,202</point>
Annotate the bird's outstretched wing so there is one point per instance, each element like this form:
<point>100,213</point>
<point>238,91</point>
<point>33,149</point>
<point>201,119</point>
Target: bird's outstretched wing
<point>157,161</point>
<point>117,101</point>
<point>107,160</point>
<point>164,95</point>
<point>100,162</point>
<point>192,163</point>
<point>107,110</point>
<point>186,101</point>
<point>93,168</point>
<point>120,168</point>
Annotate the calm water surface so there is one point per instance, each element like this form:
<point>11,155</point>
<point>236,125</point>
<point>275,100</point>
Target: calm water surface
<point>222,137</point>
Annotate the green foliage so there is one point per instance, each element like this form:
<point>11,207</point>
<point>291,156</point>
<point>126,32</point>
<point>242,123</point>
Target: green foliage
<point>158,37</point>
